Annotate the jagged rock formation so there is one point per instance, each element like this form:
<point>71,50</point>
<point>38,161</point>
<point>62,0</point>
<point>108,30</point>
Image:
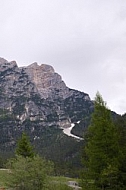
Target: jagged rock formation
<point>38,93</point>
<point>35,99</point>
<point>48,83</point>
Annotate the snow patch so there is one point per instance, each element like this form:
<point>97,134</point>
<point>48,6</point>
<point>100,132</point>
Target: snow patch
<point>36,137</point>
<point>67,131</point>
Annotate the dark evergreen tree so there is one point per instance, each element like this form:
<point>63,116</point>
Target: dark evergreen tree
<point>28,171</point>
<point>24,147</point>
<point>101,151</point>
<point>121,126</point>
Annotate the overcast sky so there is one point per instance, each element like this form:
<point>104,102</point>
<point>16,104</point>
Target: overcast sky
<point>84,40</point>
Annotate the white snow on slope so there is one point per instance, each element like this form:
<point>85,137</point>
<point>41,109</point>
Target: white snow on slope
<point>67,131</point>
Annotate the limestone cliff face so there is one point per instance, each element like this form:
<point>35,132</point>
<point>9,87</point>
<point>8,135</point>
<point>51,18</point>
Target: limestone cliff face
<point>47,81</point>
<point>35,97</point>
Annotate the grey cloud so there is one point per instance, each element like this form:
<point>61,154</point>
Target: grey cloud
<point>85,41</point>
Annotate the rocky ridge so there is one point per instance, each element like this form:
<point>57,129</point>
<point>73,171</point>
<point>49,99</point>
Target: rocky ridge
<point>36,99</point>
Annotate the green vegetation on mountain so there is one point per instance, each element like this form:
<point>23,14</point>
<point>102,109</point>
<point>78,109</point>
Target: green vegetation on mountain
<point>103,157</point>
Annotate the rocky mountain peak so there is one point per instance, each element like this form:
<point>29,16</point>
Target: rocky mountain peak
<point>35,99</point>
<point>4,64</point>
<point>47,81</point>
<point>42,67</point>
<point>2,60</point>
<point>47,68</point>
<point>33,65</point>
<point>37,91</point>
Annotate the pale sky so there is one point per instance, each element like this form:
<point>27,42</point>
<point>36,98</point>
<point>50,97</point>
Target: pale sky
<point>84,40</point>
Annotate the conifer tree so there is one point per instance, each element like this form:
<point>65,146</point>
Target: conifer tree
<point>28,173</point>
<point>24,147</point>
<point>120,122</point>
<point>101,151</point>
<point>27,170</point>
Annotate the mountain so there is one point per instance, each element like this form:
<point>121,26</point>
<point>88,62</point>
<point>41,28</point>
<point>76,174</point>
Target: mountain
<point>35,99</point>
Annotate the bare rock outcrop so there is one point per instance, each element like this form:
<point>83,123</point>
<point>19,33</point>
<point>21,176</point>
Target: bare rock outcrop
<point>48,83</point>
